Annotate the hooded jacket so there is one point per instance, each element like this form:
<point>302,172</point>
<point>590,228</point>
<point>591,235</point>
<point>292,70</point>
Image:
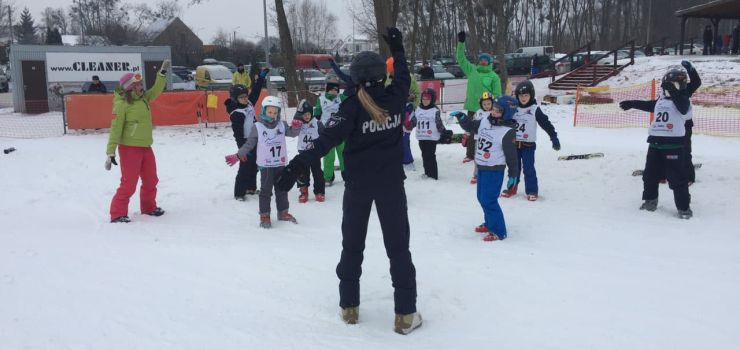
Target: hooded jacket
<point>132,125</point>
<point>480,79</point>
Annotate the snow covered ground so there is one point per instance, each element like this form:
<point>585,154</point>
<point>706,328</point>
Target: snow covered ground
<point>582,268</point>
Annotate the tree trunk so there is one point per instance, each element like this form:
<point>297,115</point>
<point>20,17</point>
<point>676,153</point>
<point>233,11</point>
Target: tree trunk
<point>286,46</point>
<point>385,16</point>
<point>472,41</point>
<point>500,44</point>
<point>414,33</point>
<point>426,55</point>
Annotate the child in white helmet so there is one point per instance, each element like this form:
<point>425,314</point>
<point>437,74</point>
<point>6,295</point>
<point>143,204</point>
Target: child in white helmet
<point>268,137</point>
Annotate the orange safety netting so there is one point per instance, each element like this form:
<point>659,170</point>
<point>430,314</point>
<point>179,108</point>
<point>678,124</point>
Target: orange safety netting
<point>716,110</point>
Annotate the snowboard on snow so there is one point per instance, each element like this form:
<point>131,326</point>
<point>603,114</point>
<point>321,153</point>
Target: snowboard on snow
<point>581,156</point>
<point>640,172</point>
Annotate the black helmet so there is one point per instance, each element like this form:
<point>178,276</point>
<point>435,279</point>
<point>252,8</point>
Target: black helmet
<point>237,90</point>
<point>332,85</point>
<point>525,87</point>
<point>367,67</point>
<point>677,77</point>
<point>304,107</point>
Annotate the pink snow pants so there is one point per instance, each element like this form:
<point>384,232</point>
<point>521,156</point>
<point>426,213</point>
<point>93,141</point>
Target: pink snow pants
<point>135,162</point>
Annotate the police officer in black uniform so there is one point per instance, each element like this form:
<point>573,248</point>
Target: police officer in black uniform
<point>370,124</point>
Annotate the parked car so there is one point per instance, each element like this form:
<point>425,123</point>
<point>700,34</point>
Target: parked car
<point>456,71</point>
<point>440,73</point>
<point>536,50</point>
<point>229,65</point>
<point>182,72</point>
<point>277,81</point>
<point>4,86</point>
<point>213,77</point>
<point>314,79</point>
<point>314,61</point>
<point>181,84</point>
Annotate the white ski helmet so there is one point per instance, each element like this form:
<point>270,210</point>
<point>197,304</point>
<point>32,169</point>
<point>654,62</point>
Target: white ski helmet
<point>273,101</point>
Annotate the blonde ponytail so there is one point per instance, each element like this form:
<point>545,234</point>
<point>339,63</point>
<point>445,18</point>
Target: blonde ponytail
<point>379,115</point>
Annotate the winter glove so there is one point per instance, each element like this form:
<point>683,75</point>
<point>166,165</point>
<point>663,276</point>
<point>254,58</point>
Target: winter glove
<point>232,159</point>
<point>296,124</point>
<point>110,160</point>
<point>687,65</point>
<point>264,72</point>
<point>626,105</point>
<point>513,180</point>
<point>461,37</point>
<point>556,144</point>
<point>457,114</point>
<point>290,174</point>
<point>166,65</point>
<point>394,39</point>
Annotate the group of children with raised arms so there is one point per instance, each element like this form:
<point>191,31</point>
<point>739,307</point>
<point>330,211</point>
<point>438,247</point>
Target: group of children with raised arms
<point>504,133</point>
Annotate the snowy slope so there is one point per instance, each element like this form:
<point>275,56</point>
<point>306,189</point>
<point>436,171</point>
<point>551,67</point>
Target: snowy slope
<point>581,269</point>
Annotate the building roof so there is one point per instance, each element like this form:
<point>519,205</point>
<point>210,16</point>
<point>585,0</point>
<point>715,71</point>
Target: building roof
<point>74,40</point>
<point>721,9</point>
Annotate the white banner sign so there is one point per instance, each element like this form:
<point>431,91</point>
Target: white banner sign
<point>79,66</point>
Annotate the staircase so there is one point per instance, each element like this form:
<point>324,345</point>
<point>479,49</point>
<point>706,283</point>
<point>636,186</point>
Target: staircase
<point>589,75</point>
<point>593,73</point>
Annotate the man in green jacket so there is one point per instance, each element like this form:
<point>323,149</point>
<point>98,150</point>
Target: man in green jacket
<point>131,134</point>
<point>481,77</point>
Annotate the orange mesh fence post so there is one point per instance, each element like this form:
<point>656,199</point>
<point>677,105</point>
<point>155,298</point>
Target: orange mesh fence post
<point>575,110</point>
<point>599,106</point>
<point>652,97</point>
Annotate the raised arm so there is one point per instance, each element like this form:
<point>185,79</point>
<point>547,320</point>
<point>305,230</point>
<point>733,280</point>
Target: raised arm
<point>160,83</point>
<point>254,94</point>
<point>465,65</point>
<point>694,80</point>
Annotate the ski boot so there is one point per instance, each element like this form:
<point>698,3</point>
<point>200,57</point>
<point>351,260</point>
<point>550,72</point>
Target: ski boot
<point>350,315</point>
<point>490,237</point>
<point>532,197</point>
<point>303,197</point>
<point>406,324</point>
<point>685,214</point>
<point>156,212</point>
<point>649,205</point>
<point>320,197</point>
<point>241,198</point>
<point>253,192</point>
<point>509,192</point>
<point>481,228</point>
<point>265,221</point>
<point>123,219</point>
<point>285,216</point>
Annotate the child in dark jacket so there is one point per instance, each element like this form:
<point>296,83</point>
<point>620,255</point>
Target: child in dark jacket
<point>494,151</point>
<point>528,115</point>
<point>310,129</point>
<point>669,139</point>
<point>240,106</point>
<point>267,137</point>
<point>429,128</point>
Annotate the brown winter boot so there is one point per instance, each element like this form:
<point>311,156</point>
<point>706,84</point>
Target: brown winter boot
<point>285,216</point>
<point>350,315</point>
<point>406,324</point>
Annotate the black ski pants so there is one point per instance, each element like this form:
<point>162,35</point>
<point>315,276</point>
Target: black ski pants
<point>390,203</point>
<point>246,177</point>
<point>672,164</point>
<point>429,157</point>
<point>319,183</point>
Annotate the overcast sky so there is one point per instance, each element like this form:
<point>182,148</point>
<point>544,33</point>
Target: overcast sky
<point>206,18</point>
